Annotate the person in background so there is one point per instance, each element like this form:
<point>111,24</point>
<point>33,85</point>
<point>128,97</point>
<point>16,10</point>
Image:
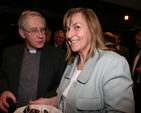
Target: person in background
<point>95,80</point>
<point>109,41</point>
<point>48,35</point>
<point>136,71</point>
<point>32,70</point>
<point>124,51</point>
<point>58,40</point>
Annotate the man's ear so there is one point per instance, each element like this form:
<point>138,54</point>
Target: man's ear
<point>21,32</point>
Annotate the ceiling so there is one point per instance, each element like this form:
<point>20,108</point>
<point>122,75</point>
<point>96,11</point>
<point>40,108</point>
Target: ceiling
<point>109,13</point>
<point>134,4</point>
<point>59,7</point>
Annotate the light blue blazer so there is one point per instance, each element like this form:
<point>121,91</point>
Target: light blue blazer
<point>103,86</point>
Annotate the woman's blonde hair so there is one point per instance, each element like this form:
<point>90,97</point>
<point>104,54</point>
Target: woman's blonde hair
<point>95,30</point>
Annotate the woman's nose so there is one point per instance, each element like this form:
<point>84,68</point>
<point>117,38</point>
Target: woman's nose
<point>69,34</point>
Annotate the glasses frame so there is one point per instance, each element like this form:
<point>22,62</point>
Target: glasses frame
<point>42,30</point>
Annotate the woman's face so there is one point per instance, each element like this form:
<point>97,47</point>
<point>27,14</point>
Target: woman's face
<point>78,34</point>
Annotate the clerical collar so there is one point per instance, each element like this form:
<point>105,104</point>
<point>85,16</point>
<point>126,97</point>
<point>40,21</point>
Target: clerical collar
<point>33,51</point>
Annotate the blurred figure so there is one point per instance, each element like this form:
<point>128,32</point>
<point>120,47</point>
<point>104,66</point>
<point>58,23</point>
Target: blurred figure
<point>124,51</point>
<point>109,41</point>
<point>136,71</point>
<point>59,40</point>
<point>48,35</point>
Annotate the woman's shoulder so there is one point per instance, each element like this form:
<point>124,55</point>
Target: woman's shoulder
<point>107,55</point>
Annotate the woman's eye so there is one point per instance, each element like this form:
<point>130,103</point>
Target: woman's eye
<point>76,27</point>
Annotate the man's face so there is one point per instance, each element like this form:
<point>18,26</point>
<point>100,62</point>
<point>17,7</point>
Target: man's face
<point>117,40</point>
<point>138,41</point>
<point>34,40</point>
<point>59,38</point>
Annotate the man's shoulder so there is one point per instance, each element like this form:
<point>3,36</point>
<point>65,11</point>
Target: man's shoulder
<point>13,50</point>
<point>49,47</point>
<point>52,49</point>
<point>15,47</point>
<point>51,43</point>
<point>123,47</point>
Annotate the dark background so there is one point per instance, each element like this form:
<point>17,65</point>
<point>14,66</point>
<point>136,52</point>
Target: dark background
<point>110,14</point>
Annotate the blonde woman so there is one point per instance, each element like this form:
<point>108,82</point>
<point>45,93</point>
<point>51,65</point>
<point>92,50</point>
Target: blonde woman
<point>96,80</point>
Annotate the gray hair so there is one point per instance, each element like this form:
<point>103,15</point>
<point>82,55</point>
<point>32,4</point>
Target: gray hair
<point>28,14</point>
<point>58,31</point>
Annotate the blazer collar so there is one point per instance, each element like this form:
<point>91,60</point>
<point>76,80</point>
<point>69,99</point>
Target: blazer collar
<point>87,69</point>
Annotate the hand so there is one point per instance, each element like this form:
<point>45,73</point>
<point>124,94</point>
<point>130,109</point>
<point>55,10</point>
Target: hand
<point>138,69</point>
<point>3,103</point>
<point>45,101</point>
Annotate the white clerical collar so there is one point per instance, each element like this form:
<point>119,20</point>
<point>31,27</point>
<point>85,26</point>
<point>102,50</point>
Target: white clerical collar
<point>32,51</point>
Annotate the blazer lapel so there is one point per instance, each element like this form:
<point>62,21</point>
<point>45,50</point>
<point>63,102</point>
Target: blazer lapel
<point>86,72</point>
<point>17,61</point>
<point>88,68</point>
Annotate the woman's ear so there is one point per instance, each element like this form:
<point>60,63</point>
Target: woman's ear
<point>21,32</point>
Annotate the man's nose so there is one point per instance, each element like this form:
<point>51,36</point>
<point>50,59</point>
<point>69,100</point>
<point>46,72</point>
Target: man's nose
<point>40,34</point>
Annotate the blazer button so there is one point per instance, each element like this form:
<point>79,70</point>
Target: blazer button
<point>68,105</point>
<point>75,84</point>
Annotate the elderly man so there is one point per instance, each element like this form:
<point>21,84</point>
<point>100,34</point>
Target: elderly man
<point>59,40</point>
<point>30,70</point>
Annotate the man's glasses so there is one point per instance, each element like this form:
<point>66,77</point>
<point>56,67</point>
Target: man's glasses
<point>35,31</point>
